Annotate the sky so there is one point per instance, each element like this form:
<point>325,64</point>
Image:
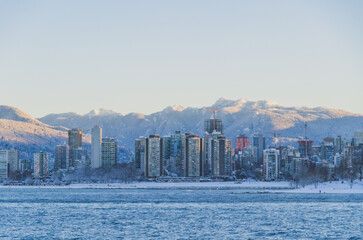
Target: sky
<point>142,56</point>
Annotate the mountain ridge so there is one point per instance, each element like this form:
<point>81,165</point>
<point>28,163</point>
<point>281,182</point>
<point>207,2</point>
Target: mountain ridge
<point>224,103</point>
<point>241,116</point>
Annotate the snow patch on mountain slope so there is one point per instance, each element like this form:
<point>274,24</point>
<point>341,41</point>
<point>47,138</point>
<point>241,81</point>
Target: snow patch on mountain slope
<point>102,112</point>
<point>178,108</point>
<point>28,133</point>
<point>12,113</point>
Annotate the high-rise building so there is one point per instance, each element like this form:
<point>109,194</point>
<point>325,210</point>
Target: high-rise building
<point>217,157</point>
<point>41,161</point>
<point>169,166</point>
<point>11,157</point>
<point>317,150</point>
<point>245,159</point>
<point>338,144</point>
<point>271,164</point>
<point>213,128</point>
<point>109,152</point>
<point>194,155</point>
<point>25,165</point>
<point>154,161</point>
<point>297,167</point>
<point>74,138</point>
<point>221,156</point>
<point>337,160</point>
<point>96,148</point>
<point>259,141</point>
<point>4,160</point>
<point>288,165</point>
<point>213,125</point>
<point>241,142</point>
<point>327,149</point>
<point>177,153</point>
<point>306,147</point>
<point>358,137</point>
<point>74,142</point>
<point>61,157</point>
<point>208,152</point>
<point>228,157</point>
<point>80,158</point>
<point>13,160</point>
<point>347,161</point>
<point>140,156</point>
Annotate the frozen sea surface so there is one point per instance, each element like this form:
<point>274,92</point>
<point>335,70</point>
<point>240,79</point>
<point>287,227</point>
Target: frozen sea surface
<point>177,214</point>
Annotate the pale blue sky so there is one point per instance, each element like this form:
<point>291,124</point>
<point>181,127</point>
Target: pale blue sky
<point>141,56</point>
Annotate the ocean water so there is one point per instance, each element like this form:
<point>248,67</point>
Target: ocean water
<point>177,214</point>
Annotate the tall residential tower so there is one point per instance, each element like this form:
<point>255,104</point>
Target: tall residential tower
<point>74,142</point>
<point>96,148</point>
<point>109,152</point>
<point>41,164</point>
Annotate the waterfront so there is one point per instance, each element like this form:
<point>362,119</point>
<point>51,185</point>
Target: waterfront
<point>177,214</point>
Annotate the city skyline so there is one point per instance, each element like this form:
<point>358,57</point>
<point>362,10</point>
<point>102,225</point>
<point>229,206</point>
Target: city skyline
<point>205,119</point>
<point>144,56</point>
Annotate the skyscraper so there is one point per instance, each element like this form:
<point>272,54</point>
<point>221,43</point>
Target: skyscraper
<point>297,167</point>
<point>221,156</point>
<point>74,142</point>
<point>13,156</point>
<point>177,146</point>
<point>338,144</point>
<point>259,142</point>
<point>74,138</point>
<point>306,147</point>
<point>217,150</point>
<point>327,149</point>
<point>154,166</point>
<point>96,154</point>
<point>4,164</point>
<point>213,125</point>
<point>241,142</point>
<point>165,151</point>
<point>61,157</point>
<point>109,152</point>
<point>208,152</point>
<point>194,155</point>
<point>41,162</point>
<point>25,165</point>
<point>80,158</point>
<point>140,156</point>
<point>358,136</point>
<point>271,164</point>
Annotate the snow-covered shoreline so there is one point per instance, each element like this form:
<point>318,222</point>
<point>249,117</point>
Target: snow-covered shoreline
<point>170,185</point>
<point>270,187</point>
<point>329,187</point>
<point>191,185</point>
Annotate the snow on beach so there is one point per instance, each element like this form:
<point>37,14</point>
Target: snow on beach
<point>270,187</point>
<point>171,185</point>
<point>190,185</point>
<point>330,187</point>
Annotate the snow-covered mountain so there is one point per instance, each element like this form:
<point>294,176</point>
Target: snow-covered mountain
<point>239,116</point>
<point>21,131</point>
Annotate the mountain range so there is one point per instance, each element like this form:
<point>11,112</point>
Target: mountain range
<point>240,116</point>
